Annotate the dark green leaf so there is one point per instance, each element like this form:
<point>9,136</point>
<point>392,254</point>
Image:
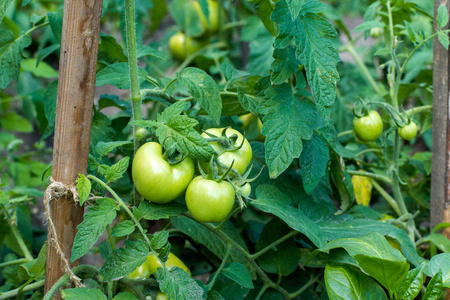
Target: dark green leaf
<point>313,161</point>
<point>11,50</point>
<point>342,182</point>
<point>83,293</point>
<point>412,285</point>
<point>117,170</point>
<point>50,96</point>
<point>93,225</point>
<point>56,19</point>
<point>284,65</point>
<point>295,6</point>
<point>434,288</point>
<point>271,200</point>
<point>178,284</point>
<point>239,274</point>
<point>103,148</point>
<point>265,9</point>
<point>145,50</point>
<point>4,4</point>
<point>204,90</point>
<point>124,260</point>
<point>159,240</point>
<point>118,75</point>
<point>152,211</point>
<point>124,228</point>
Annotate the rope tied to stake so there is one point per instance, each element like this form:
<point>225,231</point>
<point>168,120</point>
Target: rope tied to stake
<point>55,191</point>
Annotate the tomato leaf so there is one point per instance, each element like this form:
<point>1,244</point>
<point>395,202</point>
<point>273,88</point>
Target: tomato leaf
<point>271,200</point>
<point>342,182</point>
<point>204,90</point>
<point>152,211</point>
<point>124,260</point>
<point>347,283</point>
<point>434,288</point>
<point>178,284</point>
<point>102,148</point>
<point>11,50</point>
<point>284,65</point>
<point>265,9</point>
<point>125,296</point>
<point>288,120</point>
<point>412,285</point>
<point>93,225</point>
<point>239,274</point>
<point>441,263</point>
<point>124,228</point>
<point>83,293</point>
<point>312,36</point>
<point>313,162</point>
<point>4,4</point>
<point>83,188</point>
<point>159,240</point>
<point>376,257</point>
<point>118,75</point>
<point>117,170</point>
<point>146,50</point>
<point>442,17</point>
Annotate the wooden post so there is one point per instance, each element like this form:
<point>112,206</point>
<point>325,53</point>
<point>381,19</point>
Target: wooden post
<point>78,64</point>
<point>440,179</point>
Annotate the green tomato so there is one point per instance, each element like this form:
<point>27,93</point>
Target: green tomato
<point>368,128</point>
<point>140,272</point>
<point>246,189</point>
<point>161,296</point>
<point>408,132</point>
<point>208,200</point>
<point>242,157</point>
<point>214,11</point>
<point>157,180</point>
<point>376,32</point>
<point>181,46</point>
<point>153,263</point>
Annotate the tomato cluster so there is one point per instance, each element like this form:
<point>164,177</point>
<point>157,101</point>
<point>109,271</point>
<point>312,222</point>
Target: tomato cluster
<point>181,46</point>
<point>208,199</point>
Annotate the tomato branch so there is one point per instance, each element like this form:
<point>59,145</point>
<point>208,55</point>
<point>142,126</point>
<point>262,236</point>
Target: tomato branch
<point>371,175</point>
<point>18,291</point>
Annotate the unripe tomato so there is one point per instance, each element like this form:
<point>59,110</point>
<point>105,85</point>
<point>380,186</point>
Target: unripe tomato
<point>408,132</point>
<point>252,125</point>
<point>242,157</point>
<point>208,200</point>
<point>246,189</point>
<point>153,263</point>
<point>214,10</point>
<point>181,46</point>
<point>140,272</point>
<point>157,180</point>
<point>376,32</point>
<point>161,296</point>
<point>368,128</point>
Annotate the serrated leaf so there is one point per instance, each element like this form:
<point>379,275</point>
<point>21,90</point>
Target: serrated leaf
<point>4,4</point>
<point>271,200</point>
<point>178,285</point>
<point>231,73</point>
<point>50,97</point>
<point>3,198</point>
<point>345,282</point>
<point>287,121</point>
<point>11,50</point>
<point>411,33</point>
<point>239,274</point>
<point>55,18</point>
<point>264,9</point>
<point>117,170</point>
<point>124,260</point>
<point>313,162</point>
<point>43,53</point>
<point>443,38</point>
<point>118,75</point>
<point>312,36</point>
<point>295,6</point>
<point>284,65</point>
<point>93,225</point>
<point>124,228</point>
<point>442,17</point>
<point>102,148</point>
<point>152,211</point>
<point>412,285</point>
<point>159,240</point>
<point>204,90</point>
<point>83,293</point>
<point>83,188</point>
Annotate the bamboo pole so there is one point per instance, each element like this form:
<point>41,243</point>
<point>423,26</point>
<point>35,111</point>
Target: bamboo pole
<point>78,63</point>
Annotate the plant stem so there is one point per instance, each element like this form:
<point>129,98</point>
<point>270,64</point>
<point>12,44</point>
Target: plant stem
<point>222,265</point>
<point>16,292</point>
<point>419,109</point>
<point>305,287</point>
<point>368,151</point>
<point>371,175</point>
<point>131,49</point>
<point>271,246</point>
<point>261,292</point>
<point>387,197</point>
<point>230,215</point>
<point>14,262</point>
<point>111,239</point>
<point>169,84</point>
<point>157,93</point>
<point>17,235</point>
<point>85,270</point>
<point>351,50</point>
<point>343,133</point>
<point>36,27</point>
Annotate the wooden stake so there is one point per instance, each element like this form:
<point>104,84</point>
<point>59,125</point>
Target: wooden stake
<point>440,184</point>
<point>78,63</point>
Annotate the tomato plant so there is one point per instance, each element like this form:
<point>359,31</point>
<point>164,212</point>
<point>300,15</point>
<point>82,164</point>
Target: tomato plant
<point>268,186</point>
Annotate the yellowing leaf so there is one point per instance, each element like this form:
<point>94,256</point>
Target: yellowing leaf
<point>362,186</point>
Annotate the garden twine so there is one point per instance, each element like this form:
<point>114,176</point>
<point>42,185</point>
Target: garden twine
<point>55,191</point>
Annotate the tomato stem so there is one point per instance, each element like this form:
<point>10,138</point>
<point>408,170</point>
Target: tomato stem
<point>219,270</point>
